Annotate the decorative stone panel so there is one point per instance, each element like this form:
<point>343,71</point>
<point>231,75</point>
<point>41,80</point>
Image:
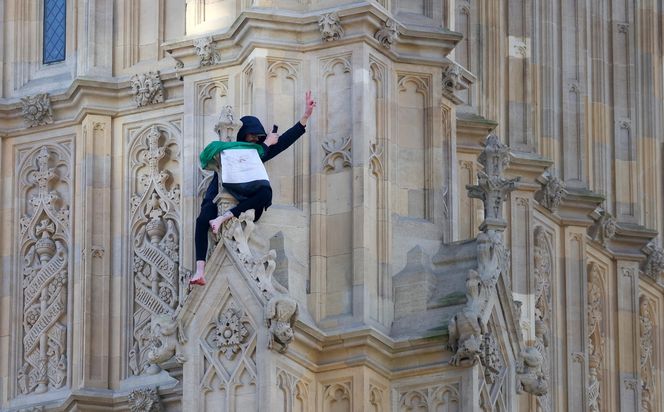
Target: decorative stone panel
<point>154,228</point>
<point>44,239</point>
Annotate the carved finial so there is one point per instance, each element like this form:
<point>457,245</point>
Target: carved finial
<point>147,88</point>
<point>37,110</point>
<point>492,188</point>
<point>330,27</point>
<point>226,124</point>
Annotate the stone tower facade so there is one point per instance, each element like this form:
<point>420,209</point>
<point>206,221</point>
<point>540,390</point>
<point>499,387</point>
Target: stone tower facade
<point>472,221</point>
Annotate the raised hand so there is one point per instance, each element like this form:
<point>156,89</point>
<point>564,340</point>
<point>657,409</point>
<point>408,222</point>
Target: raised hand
<point>308,107</point>
<point>272,138</point>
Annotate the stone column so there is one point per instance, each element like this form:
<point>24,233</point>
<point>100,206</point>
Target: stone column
<point>627,289</point>
<point>519,125</point>
<point>574,210</point>
<point>521,231</point>
<point>575,116</point>
<point>93,239</point>
<point>575,281</point>
<point>95,37</point>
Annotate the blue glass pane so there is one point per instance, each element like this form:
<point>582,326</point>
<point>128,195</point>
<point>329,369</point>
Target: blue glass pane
<point>54,30</point>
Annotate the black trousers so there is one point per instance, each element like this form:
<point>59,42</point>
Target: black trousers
<point>255,195</point>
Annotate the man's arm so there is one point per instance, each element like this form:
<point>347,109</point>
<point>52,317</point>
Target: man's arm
<point>285,141</point>
<point>291,135</point>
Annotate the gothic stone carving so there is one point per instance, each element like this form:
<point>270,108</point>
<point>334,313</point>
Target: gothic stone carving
<point>230,332</point>
<point>281,311</point>
<point>595,338</point>
<point>165,334</point>
<point>654,264</point>
<point>44,236</point>
<point>490,357</point>
<point>294,388</point>
<point>451,77</point>
<point>433,398</point>
<point>604,228</point>
<point>206,51</point>
<point>492,188</point>
<point>330,27</point>
<point>646,361</point>
<point>147,88</point>
<point>155,251</point>
<point>280,315</point>
<point>37,110</point>
<point>388,33</point>
<point>337,149</point>
<point>226,124</point>
<point>552,193</point>
<point>530,377</point>
<point>144,400</point>
<point>465,328</point>
<point>375,159</point>
<point>543,271</point>
<point>228,353</point>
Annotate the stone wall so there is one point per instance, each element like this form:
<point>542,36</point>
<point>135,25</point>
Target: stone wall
<point>383,212</point>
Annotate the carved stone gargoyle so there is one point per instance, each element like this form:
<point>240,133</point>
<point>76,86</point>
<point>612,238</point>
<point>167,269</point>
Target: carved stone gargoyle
<point>465,328</point>
<point>280,316</point>
<point>530,377</point>
<point>165,334</point>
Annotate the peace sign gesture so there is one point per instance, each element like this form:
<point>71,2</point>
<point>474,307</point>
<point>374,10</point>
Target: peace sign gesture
<point>308,106</point>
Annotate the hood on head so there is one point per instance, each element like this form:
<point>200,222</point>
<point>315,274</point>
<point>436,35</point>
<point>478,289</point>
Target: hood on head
<point>250,125</point>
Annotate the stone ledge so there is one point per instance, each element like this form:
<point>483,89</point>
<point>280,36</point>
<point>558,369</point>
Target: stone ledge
<point>577,205</point>
<point>321,352</point>
<point>629,241</point>
<point>358,21</point>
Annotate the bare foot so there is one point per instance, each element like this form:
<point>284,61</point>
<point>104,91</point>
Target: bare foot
<point>216,223</point>
<point>199,277</point>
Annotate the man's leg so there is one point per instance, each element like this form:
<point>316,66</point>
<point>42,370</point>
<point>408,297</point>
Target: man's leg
<point>258,201</point>
<point>208,212</point>
<point>252,195</point>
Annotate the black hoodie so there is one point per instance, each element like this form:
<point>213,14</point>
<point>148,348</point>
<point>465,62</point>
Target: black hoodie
<point>250,125</point>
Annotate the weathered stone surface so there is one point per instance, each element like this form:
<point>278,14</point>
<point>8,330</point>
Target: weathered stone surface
<point>373,273</point>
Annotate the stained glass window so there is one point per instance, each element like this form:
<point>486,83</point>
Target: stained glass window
<point>54,30</point>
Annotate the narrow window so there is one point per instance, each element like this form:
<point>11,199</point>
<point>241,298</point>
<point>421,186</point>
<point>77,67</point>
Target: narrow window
<point>54,30</point>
